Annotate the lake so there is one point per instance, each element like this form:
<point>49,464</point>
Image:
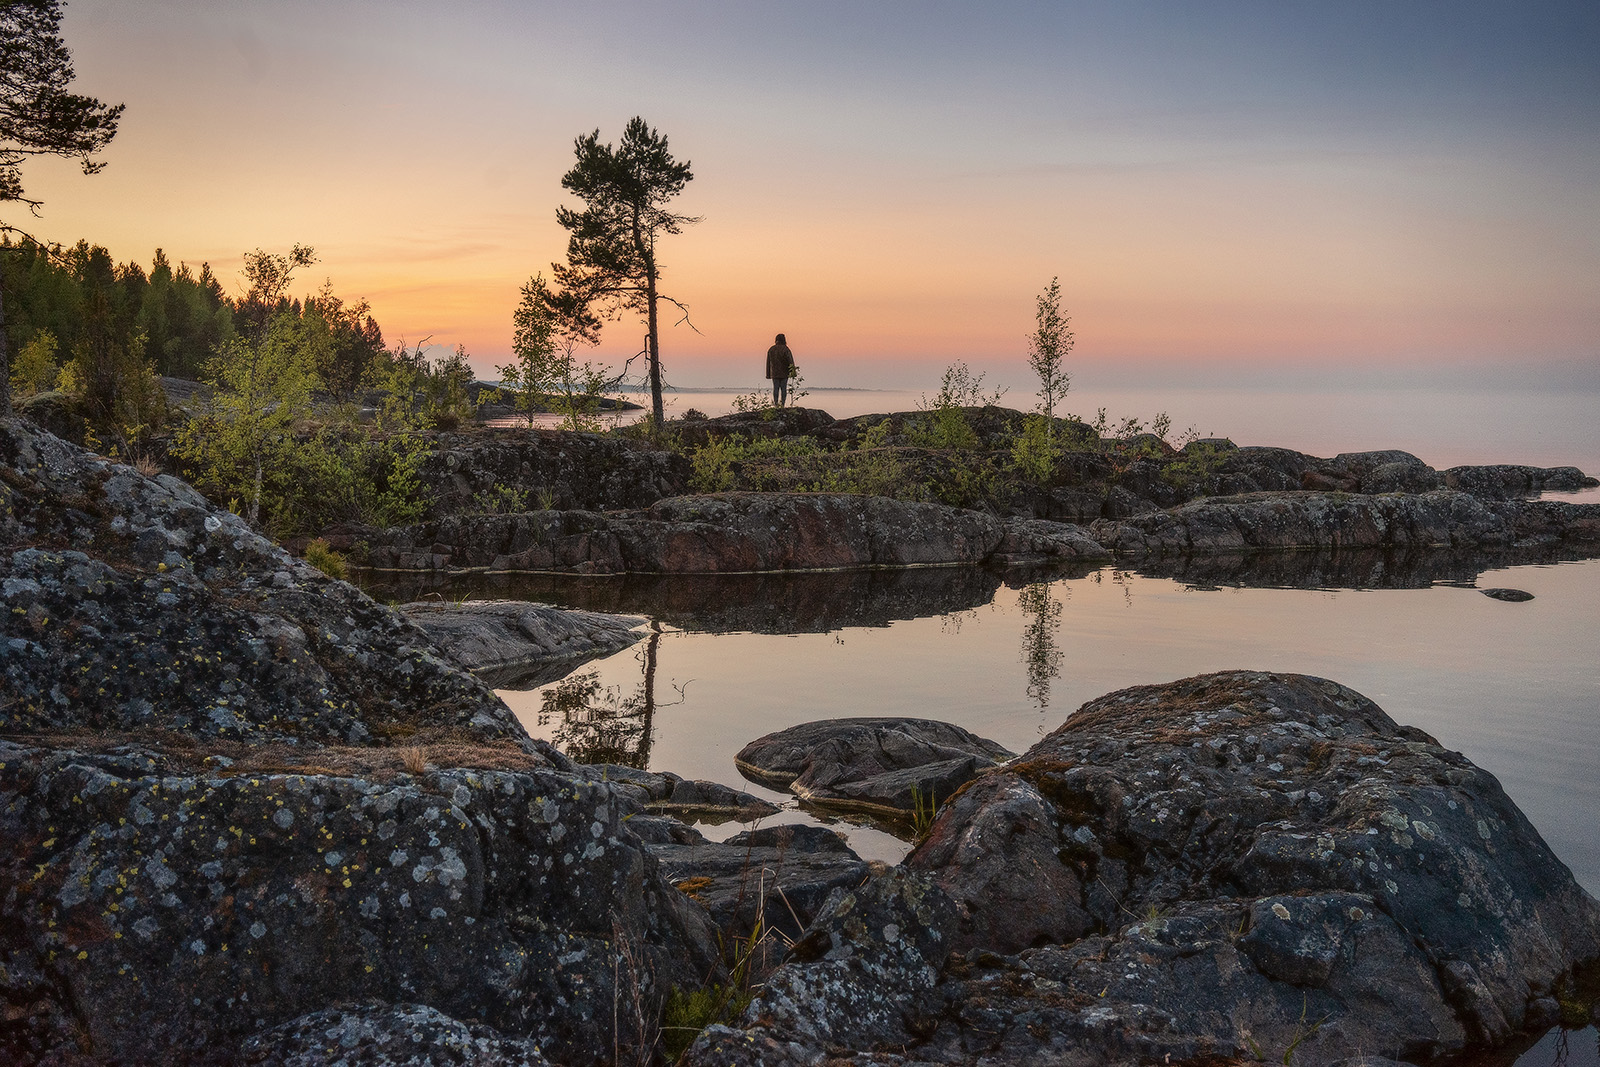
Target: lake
<point>1516,687</point>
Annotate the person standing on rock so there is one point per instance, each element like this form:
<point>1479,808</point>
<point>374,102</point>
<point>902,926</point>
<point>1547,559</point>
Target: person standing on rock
<point>780,368</point>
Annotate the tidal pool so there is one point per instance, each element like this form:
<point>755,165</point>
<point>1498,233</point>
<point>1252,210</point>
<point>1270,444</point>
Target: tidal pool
<point>1515,686</point>
<point>1009,655</point>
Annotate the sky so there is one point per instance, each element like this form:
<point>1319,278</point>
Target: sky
<point>1228,191</point>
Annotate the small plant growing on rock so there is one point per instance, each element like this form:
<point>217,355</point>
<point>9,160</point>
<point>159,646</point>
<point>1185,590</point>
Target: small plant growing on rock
<point>321,555</point>
<point>501,499</point>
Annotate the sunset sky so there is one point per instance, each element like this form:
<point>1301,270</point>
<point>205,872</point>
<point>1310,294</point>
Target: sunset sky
<point>1226,189</point>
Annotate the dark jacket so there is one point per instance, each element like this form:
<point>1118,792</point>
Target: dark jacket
<point>780,361</point>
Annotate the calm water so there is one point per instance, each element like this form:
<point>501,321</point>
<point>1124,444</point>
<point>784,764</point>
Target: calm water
<point>1516,687</point>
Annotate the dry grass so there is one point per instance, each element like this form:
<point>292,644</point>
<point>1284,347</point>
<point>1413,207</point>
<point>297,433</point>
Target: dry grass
<point>179,754</point>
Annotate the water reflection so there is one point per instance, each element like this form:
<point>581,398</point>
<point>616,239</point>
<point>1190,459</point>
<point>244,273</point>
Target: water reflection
<point>595,723</point>
<point>810,602</point>
<point>1040,652</point>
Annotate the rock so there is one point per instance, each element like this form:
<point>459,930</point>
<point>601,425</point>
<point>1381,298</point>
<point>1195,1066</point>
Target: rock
<point>518,645</point>
<point>400,1035</point>
<point>1032,541</point>
<point>1510,596</point>
<point>783,874</point>
<point>1507,481</point>
<point>1310,520</point>
<point>869,959</point>
<point>710,802</point>
<point>1264,865</point>
<point>129,603</point>
<point>575,471</point>
<point>718,533</point>
<point>159,912</point>
<point>879,766</point>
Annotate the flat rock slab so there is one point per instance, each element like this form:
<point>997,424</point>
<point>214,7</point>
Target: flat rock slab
<point>1510,596</point>
<point>782,874</point>
<point>684,798</point>
<point>514,644</point>
<point>883,766</point>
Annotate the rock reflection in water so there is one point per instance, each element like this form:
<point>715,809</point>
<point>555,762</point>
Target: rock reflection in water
<point>777,603</point>
<point>1345,569</point>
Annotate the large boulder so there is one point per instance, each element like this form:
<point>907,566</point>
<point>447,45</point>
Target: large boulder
<point>130,603</point>
<point>884,766</point>
<point>1238,865</point>
<point>238,795</point>
<point>161,908</point>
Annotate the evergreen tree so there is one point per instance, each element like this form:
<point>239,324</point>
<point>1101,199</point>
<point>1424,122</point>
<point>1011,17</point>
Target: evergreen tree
<point>611,253</point>
<point>38,116</point>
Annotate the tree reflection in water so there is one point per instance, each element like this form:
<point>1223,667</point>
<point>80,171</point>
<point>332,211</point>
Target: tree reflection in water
<point>596,723</point>
<point>1040,654</point>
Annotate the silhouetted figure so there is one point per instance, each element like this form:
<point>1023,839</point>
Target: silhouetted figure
<point>780,367</point>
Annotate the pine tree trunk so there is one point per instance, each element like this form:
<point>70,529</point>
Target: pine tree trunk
<point>5,359</point>
<point>655,359</point>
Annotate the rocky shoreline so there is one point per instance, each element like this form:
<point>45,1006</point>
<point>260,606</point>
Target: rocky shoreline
<point>255,817</point>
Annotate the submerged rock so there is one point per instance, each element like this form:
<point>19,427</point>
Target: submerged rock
<point>879,766</point>
<point>1238,865</point>
<point>1510,596</point>
<point>518,645</point>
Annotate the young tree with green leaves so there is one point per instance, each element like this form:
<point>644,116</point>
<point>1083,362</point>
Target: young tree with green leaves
<point>611,251</point>
<point>1048,348</point>
<point>534,330</point>
<point>262,383</point>
<point>39,117</point>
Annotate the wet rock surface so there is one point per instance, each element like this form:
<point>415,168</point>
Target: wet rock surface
<point>1510,596</point>
<point>515,645</point>
<point>1238,865</point>
<point>881,766</point>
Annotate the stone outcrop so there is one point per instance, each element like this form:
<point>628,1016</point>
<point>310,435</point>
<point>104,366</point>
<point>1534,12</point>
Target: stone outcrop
<point>1254,522</point>
<point>158,913</point>
<point>1238,865</point>
<point>781,875</point>
<point>518,645</point>
<point>687,799</point>
<point>128,603</point>
<point>575,471</point>
<point>717,533</point>
<point>248,811</point>
<point>881,766</point>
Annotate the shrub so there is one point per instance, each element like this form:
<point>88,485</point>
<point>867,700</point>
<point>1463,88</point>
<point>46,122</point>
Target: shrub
<point>321,555</point>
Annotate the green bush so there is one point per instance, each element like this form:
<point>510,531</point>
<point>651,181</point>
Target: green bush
<point>321,555</point>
